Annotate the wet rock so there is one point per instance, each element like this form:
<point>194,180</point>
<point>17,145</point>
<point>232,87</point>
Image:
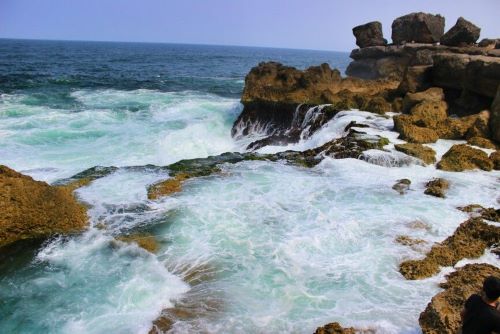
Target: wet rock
<point>417,27</point>
<point>476,210</point>
<point>462,33</point>
<point>437,187</point>
<point>85,177</point>
<point>481,142</point>
<point>469,240</point>
<point>409,241</point>
<point>442,314</point>
<point>377,105</point>
<point>402,186</point>
<point>145,241</point>
<point>429,113</point>
<point>33,209</point>
<point>404,124</point>
<point>334,328</point>
<point>167,187</point>
<point>353,124</point>
<point>426,154</point>
<point>434,94</point>
<point>495,159</point>
<point>369,34</point>
<point>463,157</point>
<point>494,122</point>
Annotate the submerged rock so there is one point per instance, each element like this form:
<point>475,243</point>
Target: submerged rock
<point>167,187</point>
<point>495,159</point>
<point>417,27</point>
<point>463,157</point>
<point>143,240</point>
<point>426,154</point>
<point>33,209</point>
<point>469,240</point>
<point>462,33</point>
<point>408,241</point>
<point>476,210</point>
<point>369,34</point>
<point>437,187</point>
<point>442,314</point>
<point>402,186</point>
<point>334,328</point>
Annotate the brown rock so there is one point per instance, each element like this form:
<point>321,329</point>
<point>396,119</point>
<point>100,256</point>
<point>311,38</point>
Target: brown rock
<point>469,240</point>
<point>334,328</point>
<point>408,241</point>
<point>404,124</point>
<point>434,94</point>
<point>480,125</point>
<point>442,314</point>
<point>429,113</point>
<point>426,154</point>
<point>437,187</point>
<point>481,142</point>
<point>494,122</point>
<point>33,209</point>
<point>462,33</point>
<point>463,157</point>
<point>145,241</point>
<point>378,105</point>
<point>488,43</point>
<point>416,79</point>
<point>402,186</point>
<point>495,158</point>
<point>417,27</point>
<point>167,187</point>
<point>476,210</point>
<point>369,34</point>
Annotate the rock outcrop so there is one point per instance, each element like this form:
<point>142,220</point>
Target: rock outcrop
<point>35,210</point>
<point>334,328</point>
<point>369,34</point>
<point>437,187</point>
<point>402,186</point>
<point>417,27</point>
<point>426,154</point>
<point>442,314</point>
<point>463,157</point>
<point>462,33</point>
<point>469,240</point>
<point>495,117</point>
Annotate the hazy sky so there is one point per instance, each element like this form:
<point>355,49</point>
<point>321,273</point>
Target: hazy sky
<point>307,24</point>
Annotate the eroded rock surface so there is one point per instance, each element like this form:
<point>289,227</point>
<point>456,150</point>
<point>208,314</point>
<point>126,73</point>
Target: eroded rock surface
<point>334,328</point>
<point>417,27</point>
<point>463,157</point>
<point>424,153</point>
<point>462,33</point>
<point>369,34</point>
<point>437,187</point>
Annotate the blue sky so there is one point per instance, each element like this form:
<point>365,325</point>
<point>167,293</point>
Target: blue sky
<point>306,24</point>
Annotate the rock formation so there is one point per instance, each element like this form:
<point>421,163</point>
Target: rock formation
<point>463,157</point>
<point>369,34</point>
<point>437,187</point>
<point>402,186</point>
<point>334,328</point>
<point>426,154</point>
<point>32,209</point>
<point>442,314</point>
<point>417,27</point>
<point>462,33</point>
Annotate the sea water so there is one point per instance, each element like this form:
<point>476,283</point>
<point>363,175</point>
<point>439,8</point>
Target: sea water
<point>287,248</point>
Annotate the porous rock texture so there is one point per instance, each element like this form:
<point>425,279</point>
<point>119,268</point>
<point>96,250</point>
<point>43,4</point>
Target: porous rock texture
<point>463,157</point>
<point>437,187</point>
<point>462,33</point>
<point>369,34</point>
<point>424,153</point>
<point>334,328</point>
<point>32,209</point>
<point>417,27</point>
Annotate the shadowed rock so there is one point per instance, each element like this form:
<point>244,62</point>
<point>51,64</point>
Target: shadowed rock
<point>495,117</point>
<point>434,94</point>
<point>462,33</point>
<point>369,34</point>
<point>495,159</point>
<point>442,314</point>
<point>481,142</point>
<point>417,27</point>
<point>143,240</point>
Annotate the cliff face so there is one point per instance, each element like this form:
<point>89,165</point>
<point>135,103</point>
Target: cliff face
<point>32,209</point>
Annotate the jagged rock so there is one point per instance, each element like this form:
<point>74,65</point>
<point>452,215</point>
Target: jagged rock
<point>480,126</point>
<point>494,123</point>
<point>463,157</point>
<point>378,105</point>
<point>426,154</point>
<point>495,158</point>
<point>481,142</point>
<point>402,186</point>
<point>469,240</point>
<point>488,43</point>
<point>417,27</point>
<point>442,314</point>
<point>397,104</point>
<point>167,187</point>
<point>462,33</point>
<point>429,113</point>
<point>369,34</point>
<point>404,124</point>
<point>334,328</point>
<point>437,187</point>
<point>145,241</point>
<point>33,209</point>
<point>434,94</point>
<point>408,241</point>
<point>476,210</point>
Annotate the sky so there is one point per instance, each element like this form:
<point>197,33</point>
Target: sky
<point>301,24</point>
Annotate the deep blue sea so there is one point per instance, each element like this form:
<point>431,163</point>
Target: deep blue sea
<point>261,247</point>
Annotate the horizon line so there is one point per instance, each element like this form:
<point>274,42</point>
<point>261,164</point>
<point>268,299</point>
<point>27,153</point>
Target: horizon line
<point>171,43</point>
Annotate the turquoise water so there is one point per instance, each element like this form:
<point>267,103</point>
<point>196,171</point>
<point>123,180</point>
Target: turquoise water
<point>274,248</point>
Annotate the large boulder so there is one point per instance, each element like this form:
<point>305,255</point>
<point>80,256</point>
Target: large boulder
<point>34,210</point>
<point>495,117</point>
<point>417,27</point>
<point>369,34</point>
<point>405,125</point>
<point>463,157</point>
<point>434,94</point>
<point>442,314</point>
<point>462,33</point>
<point>437,187</point>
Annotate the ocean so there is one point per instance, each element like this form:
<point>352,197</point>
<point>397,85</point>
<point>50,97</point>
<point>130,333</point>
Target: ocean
<point>275,248</point>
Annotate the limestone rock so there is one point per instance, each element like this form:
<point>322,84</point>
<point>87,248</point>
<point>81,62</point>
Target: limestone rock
<point>462,33</point>
<point>434,94</point>
<point>417,27</point>
<point>437,187</point>
<point>495,159</point>
<point>488,43</point>
<point>429,113</point>
<point>369,34</point>
<point>334,328</point>
<point>33,209</point>
<point>404,124</point>
<point>481,142</point>
<point>442,314</point>
<point>426,154</point>
<point>463,157</point>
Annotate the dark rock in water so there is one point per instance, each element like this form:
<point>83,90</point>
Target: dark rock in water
<point>495,159</point>
<point>494,122</point>
<point>354,124</point>
<point>35,210</point>
<point>462,33</point>
<point>476,210</point>
<point>417,27</point>
<point>402,186</point>
<point>469,241</point>
<point>369,34</point>
<point>442,314</point>
<point>463,157</point>
<point>334,328</point>
<point>437,187</point>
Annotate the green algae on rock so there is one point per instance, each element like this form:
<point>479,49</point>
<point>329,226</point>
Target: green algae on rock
<point>424,153</point>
